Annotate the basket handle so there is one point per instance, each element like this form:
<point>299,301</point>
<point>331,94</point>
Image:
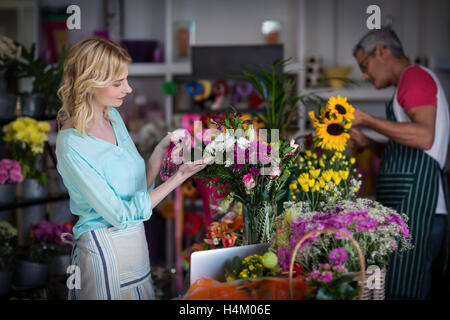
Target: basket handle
<point>332,231</point>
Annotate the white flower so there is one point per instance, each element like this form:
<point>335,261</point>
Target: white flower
<point>177,135</point>
<point>228,140</point>
<point>293,144</point>
<point>210,148</point>
<point>228,163</point>
<point>243,143</point>
<point>218,146</point>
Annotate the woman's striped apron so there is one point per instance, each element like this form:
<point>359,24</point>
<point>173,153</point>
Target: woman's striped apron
<point>113,264</point>
<point>408,182</point>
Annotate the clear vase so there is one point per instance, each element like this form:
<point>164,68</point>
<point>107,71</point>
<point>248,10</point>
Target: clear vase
<point>259,222</point>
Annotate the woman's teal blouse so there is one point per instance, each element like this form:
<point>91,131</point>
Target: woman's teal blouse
<point>107,183</point>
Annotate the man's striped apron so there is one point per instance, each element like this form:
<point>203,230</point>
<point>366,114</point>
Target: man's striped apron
<point>408,182</point>
<point>113,264</point>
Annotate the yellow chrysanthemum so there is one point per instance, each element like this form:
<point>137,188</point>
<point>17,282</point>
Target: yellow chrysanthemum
<point>43,126</point>
<point>332,135</point>
<point>314,173</point>
<point>344,174</point>
<point>340,106</point>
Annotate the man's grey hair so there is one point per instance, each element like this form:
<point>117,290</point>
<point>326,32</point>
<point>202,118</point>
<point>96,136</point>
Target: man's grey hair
<point>384,36</point>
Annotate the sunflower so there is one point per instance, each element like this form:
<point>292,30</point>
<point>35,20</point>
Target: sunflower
<point>315,121</point>
<point>340,106</point>
<point>332,135</point>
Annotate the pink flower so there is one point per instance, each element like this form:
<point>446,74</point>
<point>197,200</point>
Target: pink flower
<point>338,256</point>
<point>15,175</point>
<point>3,176</point>
<point>7,164</point>
<point>327,276</point>
<point>276,172</point>
<point>293,144</point>
<point>248,181</point>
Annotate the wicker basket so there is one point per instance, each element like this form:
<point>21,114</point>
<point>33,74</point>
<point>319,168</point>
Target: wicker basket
<point>360,276</point>
<point>373,294</point>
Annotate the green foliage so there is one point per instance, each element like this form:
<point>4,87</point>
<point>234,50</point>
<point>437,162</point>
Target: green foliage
<point>340,288</point>
<point>8,243</point>
<point>46,77</point>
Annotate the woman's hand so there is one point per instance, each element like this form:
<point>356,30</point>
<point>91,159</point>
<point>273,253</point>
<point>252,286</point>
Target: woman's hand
<point>188,169</point>
<point>164,144</point>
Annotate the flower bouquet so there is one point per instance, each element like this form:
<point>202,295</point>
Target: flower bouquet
<point>254,171</point>
<point>27,137</point>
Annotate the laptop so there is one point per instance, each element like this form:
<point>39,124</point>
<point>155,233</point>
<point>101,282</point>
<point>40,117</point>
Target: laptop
<point>211,263</point>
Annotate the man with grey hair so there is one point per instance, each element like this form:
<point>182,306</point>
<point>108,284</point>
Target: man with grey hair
<point>412,176</point>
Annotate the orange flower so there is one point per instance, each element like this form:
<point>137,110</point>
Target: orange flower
<point>214,230</point>
<point>228,239</point>
<point>237,223</point>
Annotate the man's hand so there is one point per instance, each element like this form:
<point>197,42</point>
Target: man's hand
<point>360,118</point>
<point>358,139</point>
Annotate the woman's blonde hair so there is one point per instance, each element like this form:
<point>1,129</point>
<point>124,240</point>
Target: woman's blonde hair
<point>91,63</point>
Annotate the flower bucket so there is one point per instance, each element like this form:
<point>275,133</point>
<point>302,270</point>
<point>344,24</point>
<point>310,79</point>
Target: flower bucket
<point>29,274</point>
<point>7,106</point>
<point>362,274</point>
<point>7,196</point>
<point>5,282</point>
<point>32,214</point>
<point>59,264</point>
<point>32,105</point>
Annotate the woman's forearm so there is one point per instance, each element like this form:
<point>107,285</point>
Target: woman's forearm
<point>153,166</point>
<point>162,191</point>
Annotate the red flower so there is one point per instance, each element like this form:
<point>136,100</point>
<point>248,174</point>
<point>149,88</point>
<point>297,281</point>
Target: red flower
<point>298,269</point>
<point>192,223</point>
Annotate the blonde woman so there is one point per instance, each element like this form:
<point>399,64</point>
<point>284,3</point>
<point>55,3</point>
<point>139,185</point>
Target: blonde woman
<point>112,189</point>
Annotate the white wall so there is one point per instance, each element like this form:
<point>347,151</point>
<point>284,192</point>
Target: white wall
<point>237,21</point>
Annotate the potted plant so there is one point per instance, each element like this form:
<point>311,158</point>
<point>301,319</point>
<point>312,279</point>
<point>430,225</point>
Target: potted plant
<point>46,81</point>
<point>33,268</point>
<point>62,249</point>
<point>10,56</point>
<point>10,175</point>
<point>8,240</point>
<point>26,137</point>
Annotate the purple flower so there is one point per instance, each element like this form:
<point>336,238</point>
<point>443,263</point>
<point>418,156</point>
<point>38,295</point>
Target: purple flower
<point>254,171</point>
<point>366,224</point>
<point>324,266</point>
<point>394,244</point>
<point>340,236</point>
<point>327,276</point>
<point>338,268</point>
<point>338,256</point>
<point>314,273</point>
<point>284,258</point>
<point>397,219</point>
